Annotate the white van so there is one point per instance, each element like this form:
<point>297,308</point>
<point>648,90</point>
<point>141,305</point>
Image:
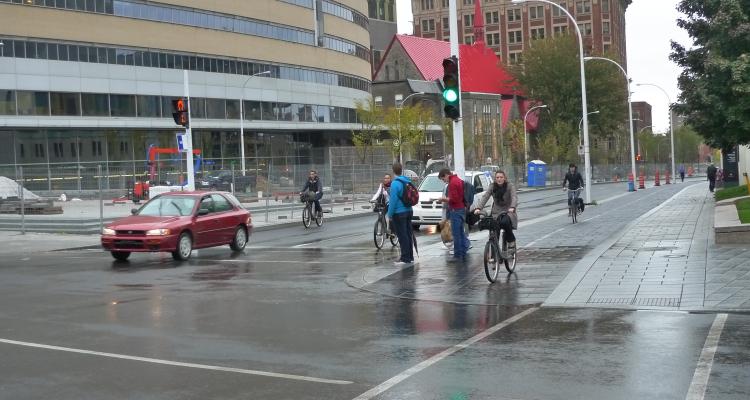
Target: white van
<point>429,211</point>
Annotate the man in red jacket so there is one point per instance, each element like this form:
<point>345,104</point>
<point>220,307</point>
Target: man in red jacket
<point>456,212</point>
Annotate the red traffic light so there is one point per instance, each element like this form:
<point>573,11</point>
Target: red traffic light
<point>180,112</point>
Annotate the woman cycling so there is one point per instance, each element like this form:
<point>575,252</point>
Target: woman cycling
<point>383,189</point>
<point>504,200</point>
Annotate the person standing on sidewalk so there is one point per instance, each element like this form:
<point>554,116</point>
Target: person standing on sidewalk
<point>711,172</point>
<point>456,212</point>
<point>682,172</point>
<point>400,215</point>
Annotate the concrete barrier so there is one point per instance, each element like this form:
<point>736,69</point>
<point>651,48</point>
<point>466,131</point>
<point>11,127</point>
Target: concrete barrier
<point>727,226</point>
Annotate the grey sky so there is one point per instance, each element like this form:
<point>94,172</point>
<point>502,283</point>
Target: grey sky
<point>650,25</point>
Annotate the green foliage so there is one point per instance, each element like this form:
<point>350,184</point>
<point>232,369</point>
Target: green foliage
<point>732,192</point>
<point>407,126</point>
<point>687,144</point>
<point>371,117</point>
<point>557,145</point>
<point>715,81</point>
<point>551,74</point>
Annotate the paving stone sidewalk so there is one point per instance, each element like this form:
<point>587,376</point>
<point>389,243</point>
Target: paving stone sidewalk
<point>668,260</point>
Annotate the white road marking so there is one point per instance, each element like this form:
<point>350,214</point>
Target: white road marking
<point>377,390</point>
<point>177,363</point>
<point>698,386</point>
<point>544,237</point>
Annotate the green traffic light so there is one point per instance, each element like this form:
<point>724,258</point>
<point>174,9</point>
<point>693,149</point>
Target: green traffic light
<point>450,95</point>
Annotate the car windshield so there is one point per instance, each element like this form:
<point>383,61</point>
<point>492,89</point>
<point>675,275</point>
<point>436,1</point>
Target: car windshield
<point>168,206</point>
<point>432,184</point>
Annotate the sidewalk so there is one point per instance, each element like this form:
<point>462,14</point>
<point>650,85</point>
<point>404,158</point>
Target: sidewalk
<point>664,260</point>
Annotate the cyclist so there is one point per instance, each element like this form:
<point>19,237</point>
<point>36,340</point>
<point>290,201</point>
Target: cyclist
<point>382,197</point>
<point>505,200</point>
<point>314,185</point>
<point>575,182</point>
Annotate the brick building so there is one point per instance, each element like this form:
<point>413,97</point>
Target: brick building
<point>509,28</point>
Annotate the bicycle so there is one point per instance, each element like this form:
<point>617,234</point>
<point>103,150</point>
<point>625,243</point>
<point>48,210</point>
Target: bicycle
<point>496,250</point>
<point>573,209</point>
<point>380,231</point>
<point>309,200</point>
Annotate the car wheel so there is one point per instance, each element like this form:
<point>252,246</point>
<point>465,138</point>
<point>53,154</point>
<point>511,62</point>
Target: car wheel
<point>121,255</point>
<point>184,247</point>
<point>240,239</point>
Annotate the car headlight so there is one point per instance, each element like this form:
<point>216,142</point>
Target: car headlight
<point>157,232</point>
<point>108,231</point>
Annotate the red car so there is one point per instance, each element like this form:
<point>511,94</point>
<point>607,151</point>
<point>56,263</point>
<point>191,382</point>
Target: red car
<point>178,222</point>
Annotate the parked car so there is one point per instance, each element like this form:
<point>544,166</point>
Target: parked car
<point>178,222</point>
<point>429,211</point>
<point>222,181</point>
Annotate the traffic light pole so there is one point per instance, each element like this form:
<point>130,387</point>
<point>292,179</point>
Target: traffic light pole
<point>189,139</point>
<point>458,127</point>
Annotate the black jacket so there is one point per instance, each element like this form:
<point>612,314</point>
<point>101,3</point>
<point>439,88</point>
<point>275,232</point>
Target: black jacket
<point>576,180</point>
<point>711,172</point>
<point>313,185</point>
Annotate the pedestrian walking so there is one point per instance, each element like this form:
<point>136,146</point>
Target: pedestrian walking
<point>456,212</point>
<point>711,172</point>
<point>682,173</point>
<point>400,213</point>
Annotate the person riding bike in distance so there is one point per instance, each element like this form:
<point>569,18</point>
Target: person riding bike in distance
<point>505,200</point>
<point>314,185</point>
<point>575,181</point>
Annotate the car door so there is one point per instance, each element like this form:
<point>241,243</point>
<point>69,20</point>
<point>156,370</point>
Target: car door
<point>205,224</point>
<point>225,218</point>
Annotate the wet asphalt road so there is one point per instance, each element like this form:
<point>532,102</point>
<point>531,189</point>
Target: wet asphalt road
<point>283,307</point>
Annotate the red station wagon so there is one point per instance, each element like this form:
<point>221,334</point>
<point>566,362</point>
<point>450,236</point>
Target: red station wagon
<point>178,222</point>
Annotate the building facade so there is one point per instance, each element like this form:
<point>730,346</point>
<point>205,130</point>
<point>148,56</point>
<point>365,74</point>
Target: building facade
<point>383,26</point>
<point>509,28</point>
<point>641,115</point>
<point>90,83</point>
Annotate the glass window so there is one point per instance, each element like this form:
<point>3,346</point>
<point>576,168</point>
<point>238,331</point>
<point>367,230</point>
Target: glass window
<point>65,103</point>
<point>198,107</point>
<point>220,203</point>
<point>284,111</point>
<point>123,105</point>
<point>20,48</point>
<point>269,111</point>
<point>233,109</point>
<point>33,103</point>
<point>7,102</point>
<point>252,110</point>
<point>149,106</point>
<point>95,104</point>
<point>215,109</point>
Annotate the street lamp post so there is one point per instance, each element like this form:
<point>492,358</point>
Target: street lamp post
<point>580,122</point>
<point>671,120</point>
<point>526,140</point>
<point>584,109</point>
<point>242,121</point>
<point>400,140</point>
<point>630,109</point>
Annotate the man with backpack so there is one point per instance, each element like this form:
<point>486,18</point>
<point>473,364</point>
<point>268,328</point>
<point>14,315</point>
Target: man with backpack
<point>456,204</point>
<point>401,200</point>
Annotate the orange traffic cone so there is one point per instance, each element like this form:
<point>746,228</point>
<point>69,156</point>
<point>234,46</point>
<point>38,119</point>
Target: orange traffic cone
<point>642,181</point>
<point>656,179</point>
<point>666,178</point>
<point>631,182</point>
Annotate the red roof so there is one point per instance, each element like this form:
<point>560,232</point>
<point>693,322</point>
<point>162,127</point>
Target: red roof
<point>480,68</point>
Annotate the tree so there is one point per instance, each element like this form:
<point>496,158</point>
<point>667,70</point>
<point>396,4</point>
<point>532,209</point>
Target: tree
<point>551,74</point>
<point>407,126</point>
<point>687,145</point>
<point>715,81</point>
<point>371,118</point>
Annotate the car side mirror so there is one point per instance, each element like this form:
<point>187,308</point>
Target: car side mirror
<point>203,211</point>
<point>134,211</point>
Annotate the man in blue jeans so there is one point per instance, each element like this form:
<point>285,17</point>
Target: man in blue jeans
<point>401,214</point>
<point>456,212</point>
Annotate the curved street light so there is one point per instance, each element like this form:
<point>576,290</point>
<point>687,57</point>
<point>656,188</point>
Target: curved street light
<point>242,121</point>
<point>526,138</point>
<point>630,109</point>
<point>671,120</point>
<point>584,109</point>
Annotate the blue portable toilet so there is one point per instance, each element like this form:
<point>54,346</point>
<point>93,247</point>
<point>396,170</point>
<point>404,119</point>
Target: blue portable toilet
<point>537,173</point>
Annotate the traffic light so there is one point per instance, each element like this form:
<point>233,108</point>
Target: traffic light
<point>451,88</point>
<point>180,113</point>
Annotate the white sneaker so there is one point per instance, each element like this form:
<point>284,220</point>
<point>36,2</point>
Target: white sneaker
<point>450,252</point>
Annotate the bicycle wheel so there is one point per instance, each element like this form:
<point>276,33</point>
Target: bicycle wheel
<point>379,233</point>
<point>491,260</point>
<point>306,216</point>
<point>319,218</point>
<point>573,212</point>
<point>508,259</point>
<point>394,239</point>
